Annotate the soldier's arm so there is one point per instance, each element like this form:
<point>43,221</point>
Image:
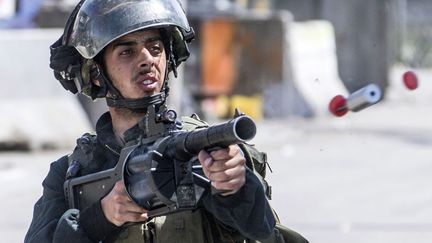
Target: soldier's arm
<point>53,222</point>
<point>247,210</point>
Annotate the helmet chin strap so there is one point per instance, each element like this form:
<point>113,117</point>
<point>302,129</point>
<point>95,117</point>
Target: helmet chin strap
<point>137,105</point>
<point>140,105</point>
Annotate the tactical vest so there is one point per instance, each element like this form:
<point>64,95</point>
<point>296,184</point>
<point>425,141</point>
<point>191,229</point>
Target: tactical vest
<point>199,225</point>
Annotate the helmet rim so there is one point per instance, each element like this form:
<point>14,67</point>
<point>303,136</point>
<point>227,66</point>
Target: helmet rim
<point>95,27</point>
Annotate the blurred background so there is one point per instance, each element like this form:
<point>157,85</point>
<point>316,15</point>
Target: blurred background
<point>362,177</point>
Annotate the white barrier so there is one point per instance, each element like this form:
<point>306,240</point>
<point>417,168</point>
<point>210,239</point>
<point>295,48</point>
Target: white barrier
<point>314,63</point>
<point>36,110</point>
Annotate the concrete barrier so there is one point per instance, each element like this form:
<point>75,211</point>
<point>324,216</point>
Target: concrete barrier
<point>314,63</point>
<point>36,111</point>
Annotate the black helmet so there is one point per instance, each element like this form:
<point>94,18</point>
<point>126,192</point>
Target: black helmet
<point>100,22</point>
<point>94,24</point>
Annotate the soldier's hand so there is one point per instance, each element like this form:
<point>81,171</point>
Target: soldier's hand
<point>120,209</point>
<point>225,168</point>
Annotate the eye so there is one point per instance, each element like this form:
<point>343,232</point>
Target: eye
<point>126,52</point>
<point>156,49</point>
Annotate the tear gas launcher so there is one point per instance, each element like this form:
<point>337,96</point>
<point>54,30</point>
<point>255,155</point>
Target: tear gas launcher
<point>160,170</point>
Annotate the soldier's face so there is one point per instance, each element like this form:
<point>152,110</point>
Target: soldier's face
<point>136,63</point>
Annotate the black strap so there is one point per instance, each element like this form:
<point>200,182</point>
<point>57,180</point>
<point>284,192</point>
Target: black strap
<point>137,104</point>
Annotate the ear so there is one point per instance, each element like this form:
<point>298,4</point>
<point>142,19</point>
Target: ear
<point>100,88</point>
<point>96,82</point>
<point>95,74</point>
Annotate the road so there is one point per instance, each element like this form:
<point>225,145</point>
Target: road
<point>360,179</point>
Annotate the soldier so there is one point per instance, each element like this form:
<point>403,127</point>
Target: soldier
<point>123,51</point>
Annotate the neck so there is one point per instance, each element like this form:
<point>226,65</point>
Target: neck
<point>123,119</point>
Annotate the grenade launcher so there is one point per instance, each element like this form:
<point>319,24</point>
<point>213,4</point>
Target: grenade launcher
<point>160,170</point>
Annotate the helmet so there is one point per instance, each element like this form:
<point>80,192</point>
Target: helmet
<point>99,22</point>
<point>94,24</point>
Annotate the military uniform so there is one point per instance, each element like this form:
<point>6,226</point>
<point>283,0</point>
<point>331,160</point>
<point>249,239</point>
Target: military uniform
<point>92,26</point>
<point>246,214</point>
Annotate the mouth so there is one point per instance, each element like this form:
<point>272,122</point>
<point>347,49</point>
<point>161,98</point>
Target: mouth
<point>148,83</point>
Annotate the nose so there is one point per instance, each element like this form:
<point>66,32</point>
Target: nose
<point>147,60</point>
